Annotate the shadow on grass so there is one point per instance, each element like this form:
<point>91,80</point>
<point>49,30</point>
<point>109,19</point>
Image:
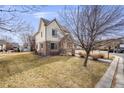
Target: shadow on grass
<point>17,64</point>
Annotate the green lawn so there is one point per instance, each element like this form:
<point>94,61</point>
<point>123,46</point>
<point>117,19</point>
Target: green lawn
<point>28,70</point>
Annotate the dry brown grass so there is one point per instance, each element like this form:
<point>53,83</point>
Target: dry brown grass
<point>28,70</point>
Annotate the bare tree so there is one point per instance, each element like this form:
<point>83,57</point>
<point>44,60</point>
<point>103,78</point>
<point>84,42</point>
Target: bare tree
<point>27,37</point>
<point>21,8</point>
<point>88,23</point>
<point>6,38</point>
<point>9,21</point>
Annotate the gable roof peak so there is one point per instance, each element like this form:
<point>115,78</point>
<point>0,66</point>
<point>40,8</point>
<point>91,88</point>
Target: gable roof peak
<point>46,21</point>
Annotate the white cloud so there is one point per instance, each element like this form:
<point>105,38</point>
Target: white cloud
<point>48,15</point>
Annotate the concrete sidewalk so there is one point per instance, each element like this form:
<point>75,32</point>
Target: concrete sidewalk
<point>106,80</point>
<point>115,73</point>
<point>120,74</point>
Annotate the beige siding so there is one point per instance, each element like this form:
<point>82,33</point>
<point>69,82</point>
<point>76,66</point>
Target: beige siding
<point>3,46</point>
<point>51,26</point>
<point>38,38</point>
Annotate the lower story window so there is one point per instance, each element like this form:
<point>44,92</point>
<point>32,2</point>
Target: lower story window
<point>53,46</point>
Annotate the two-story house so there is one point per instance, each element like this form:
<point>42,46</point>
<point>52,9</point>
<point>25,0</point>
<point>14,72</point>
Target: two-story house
<point>52,38</point>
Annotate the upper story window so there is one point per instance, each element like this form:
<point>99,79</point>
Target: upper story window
<point>54,33</point>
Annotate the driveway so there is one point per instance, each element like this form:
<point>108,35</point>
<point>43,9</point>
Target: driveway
<point>119,54</point>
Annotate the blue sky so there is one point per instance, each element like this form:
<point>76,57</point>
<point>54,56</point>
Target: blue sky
<point>48,12</point>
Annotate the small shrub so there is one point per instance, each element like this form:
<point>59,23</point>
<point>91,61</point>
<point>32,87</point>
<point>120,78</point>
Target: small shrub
<point>82,55</point>
<point>100,56</point>
<point>96,56</point>
<point>110,57</point>
<point>73,54</point>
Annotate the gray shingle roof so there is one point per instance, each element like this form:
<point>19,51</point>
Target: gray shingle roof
<point>46,22</point>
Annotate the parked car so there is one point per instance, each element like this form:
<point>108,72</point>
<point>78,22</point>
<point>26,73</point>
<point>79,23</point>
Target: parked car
<point>26,50</point>
<point>121,50</point>
<point>111,51</point>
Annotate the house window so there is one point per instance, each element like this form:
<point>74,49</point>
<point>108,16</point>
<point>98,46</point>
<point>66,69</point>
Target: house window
<point>53,46</point>
<point>41,45</point>
<point>54,33</point>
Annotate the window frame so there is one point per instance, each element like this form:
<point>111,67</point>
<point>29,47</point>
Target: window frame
<point>54,33</point>
<point>53,46</point>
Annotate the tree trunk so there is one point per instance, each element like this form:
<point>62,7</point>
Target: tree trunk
<point>86,60</point>
<point>108,54</point>
<point>108,51</point>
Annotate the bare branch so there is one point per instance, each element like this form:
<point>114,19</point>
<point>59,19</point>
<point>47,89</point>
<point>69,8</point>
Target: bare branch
<point>88,23</point>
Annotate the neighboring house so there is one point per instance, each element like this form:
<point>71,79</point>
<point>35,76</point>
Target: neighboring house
<point>52,38</point>
<point>113,44</point>
<point>29,46</point>
<point>3,45</point>
<point>26,47</point>
<point>15,46</point>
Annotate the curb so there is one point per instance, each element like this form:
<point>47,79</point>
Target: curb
<point>106,80</point>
